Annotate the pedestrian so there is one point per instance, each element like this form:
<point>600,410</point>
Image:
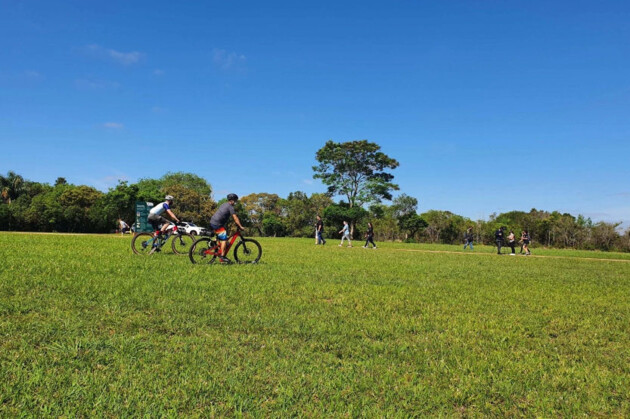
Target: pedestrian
<point>319,231</point>
<point>468,238</point>
<point>512,242</point>
<point>498,238</point>
<point>369,236</point>
<point>526,239</point>
<point>345,234</point>
<point>123,226</point>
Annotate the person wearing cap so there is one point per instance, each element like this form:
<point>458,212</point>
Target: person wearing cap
<point>156,218</point>
<point>221,218</point>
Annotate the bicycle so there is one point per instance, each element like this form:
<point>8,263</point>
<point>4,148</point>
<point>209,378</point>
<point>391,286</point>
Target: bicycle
<point>206,250</point>
<point>149,243</point>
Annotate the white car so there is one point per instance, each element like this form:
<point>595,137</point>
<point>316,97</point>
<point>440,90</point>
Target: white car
<point>191,228</point>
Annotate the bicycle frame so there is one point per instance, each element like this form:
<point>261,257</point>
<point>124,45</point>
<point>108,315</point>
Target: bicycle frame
<point>162,237</point>
<point>230,241</point>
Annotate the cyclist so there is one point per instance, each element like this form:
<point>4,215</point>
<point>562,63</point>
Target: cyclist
<point>155,215</point>
<point>220,219</point>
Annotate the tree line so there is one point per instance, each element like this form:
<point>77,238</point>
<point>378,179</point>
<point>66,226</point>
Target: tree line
<point>357,171</point>
<point>64,207</point>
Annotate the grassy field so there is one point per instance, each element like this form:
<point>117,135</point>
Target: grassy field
<point>87,328</point>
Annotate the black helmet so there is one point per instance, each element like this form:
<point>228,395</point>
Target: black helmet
<point>232,197</point>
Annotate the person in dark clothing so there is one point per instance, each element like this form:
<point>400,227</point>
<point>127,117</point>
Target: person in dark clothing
<point>319,229</point>
<point>526,239</point>
<point>498,237</point>
<point>369,236</point>
<point>220,218</point>
<point>468,237</point>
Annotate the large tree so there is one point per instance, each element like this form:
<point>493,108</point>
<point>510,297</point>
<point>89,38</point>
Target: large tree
<point>258,205</point>
<point>356,170</point>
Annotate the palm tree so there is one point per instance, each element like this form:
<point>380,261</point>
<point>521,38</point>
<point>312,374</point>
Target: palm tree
<point>12,185</point>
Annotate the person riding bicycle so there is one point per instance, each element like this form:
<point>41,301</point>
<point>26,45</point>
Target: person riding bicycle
<point>220,219</point>
<point>155,215</point>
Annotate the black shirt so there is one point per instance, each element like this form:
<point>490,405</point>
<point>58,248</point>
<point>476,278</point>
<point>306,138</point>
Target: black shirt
<point>498,235</point>
<point>319,226</point>
<point>370,231</point>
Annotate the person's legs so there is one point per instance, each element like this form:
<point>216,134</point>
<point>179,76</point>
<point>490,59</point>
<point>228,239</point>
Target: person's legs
<point>512,246</point>
<point>165,224</point>
<point>222,238</point>
<point>470,244</point>
<point>155,223</point>
<point>498,247</point>
<point>371,239</point>
<point>349,241</point>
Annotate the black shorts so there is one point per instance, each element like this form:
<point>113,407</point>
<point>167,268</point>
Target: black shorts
<point>156,221</point>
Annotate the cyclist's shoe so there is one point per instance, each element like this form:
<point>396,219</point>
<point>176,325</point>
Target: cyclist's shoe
<point>225,260</point>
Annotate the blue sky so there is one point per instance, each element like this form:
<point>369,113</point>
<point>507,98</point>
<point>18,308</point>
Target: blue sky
<point>489,105</point>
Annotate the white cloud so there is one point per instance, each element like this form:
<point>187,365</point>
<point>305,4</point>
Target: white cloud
<point>124,58</point>
<point>113,125</point>
<point>106,182</point>
<point>33,75</point>
<point>228,61</point>
<point>90,84</point>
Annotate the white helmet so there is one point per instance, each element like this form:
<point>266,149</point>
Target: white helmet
<point>168,198</point>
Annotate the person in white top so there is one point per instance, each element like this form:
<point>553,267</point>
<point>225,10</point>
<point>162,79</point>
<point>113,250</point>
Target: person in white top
<point>123,226</point>
<point>345,231</point>
<point>512,242</point>
<point>155,215</point>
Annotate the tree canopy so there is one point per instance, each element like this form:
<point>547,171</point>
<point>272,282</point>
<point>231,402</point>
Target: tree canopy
<point>356,170</point>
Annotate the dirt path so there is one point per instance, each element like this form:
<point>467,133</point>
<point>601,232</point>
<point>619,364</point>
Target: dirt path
<point>530,256</point>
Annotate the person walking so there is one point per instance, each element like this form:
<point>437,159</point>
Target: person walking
<point>526,239</point>
<point>498,238</point>
<point>345,234</point>
<point>468,238</point>
<point>319,231</point>
<point>512,242</point>
<point>369,236</point>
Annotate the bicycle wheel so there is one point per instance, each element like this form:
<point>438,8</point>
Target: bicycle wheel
<point>247,251</point>
<point>142,243</point>
<point>203,251</point>
<point>181,243</point>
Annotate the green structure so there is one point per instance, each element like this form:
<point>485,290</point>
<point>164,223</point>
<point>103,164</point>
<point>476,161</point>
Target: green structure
<point>142,215</point>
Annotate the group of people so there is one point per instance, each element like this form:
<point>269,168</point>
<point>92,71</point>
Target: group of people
<point>217,222</point>
<point>345,234</point>
<point>500,240</point>
<point>226,211</point>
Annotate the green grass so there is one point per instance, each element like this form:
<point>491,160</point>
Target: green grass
<point>87,328</point>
